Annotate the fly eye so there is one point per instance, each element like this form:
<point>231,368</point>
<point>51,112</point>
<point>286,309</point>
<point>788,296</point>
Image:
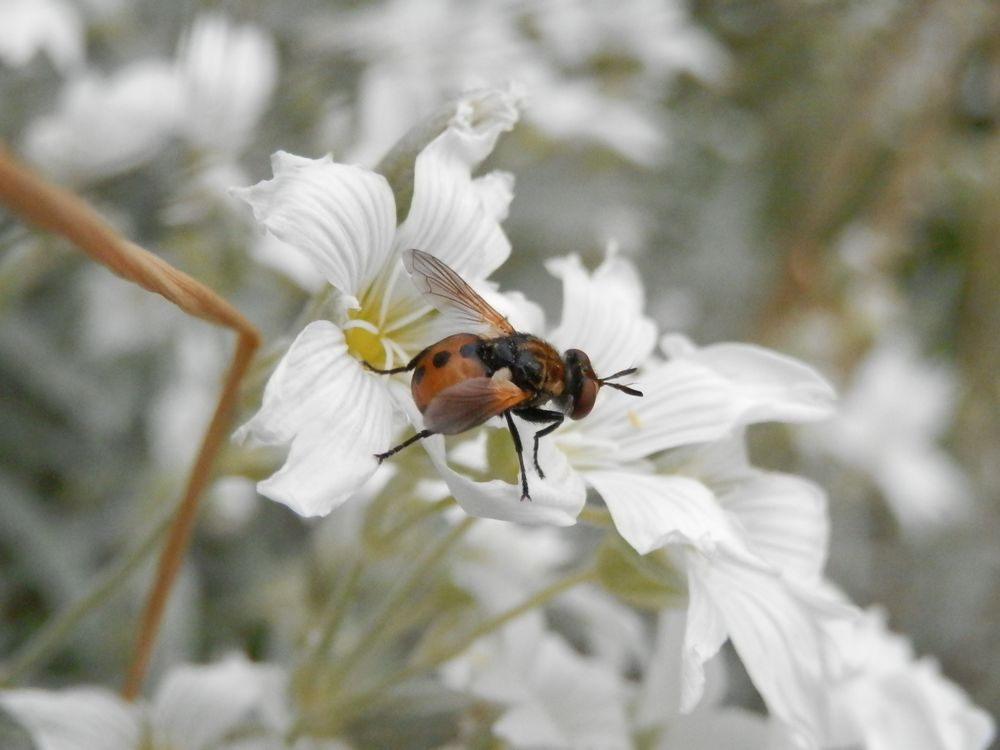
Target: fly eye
<point>584,400</point>
<point>576,359</point>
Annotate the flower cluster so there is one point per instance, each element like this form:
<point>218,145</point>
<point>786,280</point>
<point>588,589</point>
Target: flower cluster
<point>695,546</point>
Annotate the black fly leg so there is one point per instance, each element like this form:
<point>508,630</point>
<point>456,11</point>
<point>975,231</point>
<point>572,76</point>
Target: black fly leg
<point>520,454</point>
<point>393,371</point>
<point>409,441</point>
<point>540,416</point>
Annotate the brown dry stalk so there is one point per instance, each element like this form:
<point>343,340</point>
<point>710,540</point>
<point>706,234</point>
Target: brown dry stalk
<point>58,210</point>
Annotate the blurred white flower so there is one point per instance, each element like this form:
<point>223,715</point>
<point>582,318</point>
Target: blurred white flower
<point>553,697</point>
<point>107,125</point>
<point>227,74</point>
<point>415,53</point>
<point>213,96</point>
<point>894,414</point>
<point>501,564</point>
<point>889,699</point>
<point>49,26</point>
<point>194,708</point>
<point>335,415</point>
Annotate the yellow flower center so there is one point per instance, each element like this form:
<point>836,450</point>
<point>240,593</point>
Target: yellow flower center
<point>365,345</point>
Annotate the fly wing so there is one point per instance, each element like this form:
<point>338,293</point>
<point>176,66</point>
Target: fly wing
<point>465,405</point>
<point>449,293</point>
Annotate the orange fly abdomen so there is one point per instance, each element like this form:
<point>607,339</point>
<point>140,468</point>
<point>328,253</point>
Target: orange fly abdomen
<point>451,360</point>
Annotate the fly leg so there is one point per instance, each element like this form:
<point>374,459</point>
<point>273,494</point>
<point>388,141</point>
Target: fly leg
<point>392,371</point>
<point>520,455</point>
<point>411,440</point>
<point>408,442</point>
<point>541,416</point>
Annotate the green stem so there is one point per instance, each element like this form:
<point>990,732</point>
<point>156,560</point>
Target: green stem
<point>336,608</point>
<point>46,641</point>
<point>360,701</point>
<point>398,597</point>
<point>426,511</point>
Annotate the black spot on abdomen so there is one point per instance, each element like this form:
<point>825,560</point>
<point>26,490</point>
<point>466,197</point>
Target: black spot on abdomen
<point>441,359</point>
<point>418,374</point>
<point>470,350</point>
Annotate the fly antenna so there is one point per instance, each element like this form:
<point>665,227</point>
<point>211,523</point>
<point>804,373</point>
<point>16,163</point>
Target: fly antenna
<point>620,386</point>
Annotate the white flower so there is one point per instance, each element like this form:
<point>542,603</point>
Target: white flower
<point>751,543</point>
<point>195,708</point>
<point>107,125</point>
<point>552,696</point>
<point>334,414</point>
<point>414,54</point>
<point>30,26</point>
<point>893,416</point>
<point>227,75</point>
<point>889,699</point>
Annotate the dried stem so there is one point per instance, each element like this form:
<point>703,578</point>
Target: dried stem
<point>55,209</point>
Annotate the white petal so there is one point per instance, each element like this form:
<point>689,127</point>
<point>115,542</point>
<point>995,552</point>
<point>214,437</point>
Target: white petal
<point>778,632</point>
<point>925,487</point>
<point>890,699</point>
<point>77,719</point>
<point>602,313</point>
<point>29,26</point>
<point>579,698</point>
<point>228,73</point>
<point>683,402</point>
<point>554,696</point>
<point>659,700</point>
<point>196,707</point>
<point>336,416</point>
<point>652,510</point>
<point>451,216</point>
<point>343,217</point>
<point>771,386</point>
<point>557,499</point>
<point>785,521</point>
<point>697,397</point>
<point>107,125</point>
<point>704,635</point>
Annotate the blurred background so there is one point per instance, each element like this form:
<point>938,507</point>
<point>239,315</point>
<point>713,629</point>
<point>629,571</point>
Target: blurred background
<point>820,177</point>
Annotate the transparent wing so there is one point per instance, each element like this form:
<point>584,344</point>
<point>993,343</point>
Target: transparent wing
<point>462,406</point>
<point>449,293</point>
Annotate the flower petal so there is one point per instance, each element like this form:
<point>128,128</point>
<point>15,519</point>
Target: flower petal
<point>771,386</point>
<point>554,697</point>
<point>779,633</point>
<point>452,216</point>
<point>557,499</point>
<point>784,519</point>
<point>890,699</point>
<point>228,73</point>
<point>197,706</point>
<point>578,702</point>
<point>336,416</point>
<point>602,313</point>
<point>343,217</point>
<point>652,510</point>
<point>76,719</point>
<point>683,402</point>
